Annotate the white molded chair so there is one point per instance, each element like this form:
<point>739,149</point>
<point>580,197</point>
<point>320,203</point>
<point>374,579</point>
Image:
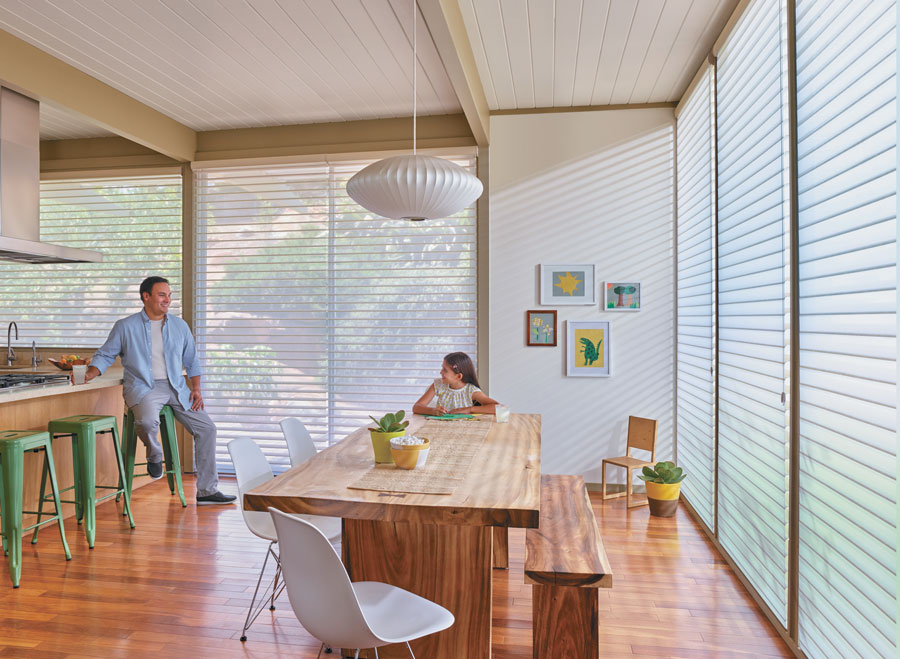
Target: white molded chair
<point>300,444</point>
<point>341,614</point>
<point>252,470</point>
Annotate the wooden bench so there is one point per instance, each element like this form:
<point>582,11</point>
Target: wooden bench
<point>566,563</point>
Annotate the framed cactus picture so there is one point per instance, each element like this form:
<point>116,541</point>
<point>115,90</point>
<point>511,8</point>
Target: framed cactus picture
<point>540,326</point>
<point>568,284</point>
<point>588,353</point>
<point>621,296</point>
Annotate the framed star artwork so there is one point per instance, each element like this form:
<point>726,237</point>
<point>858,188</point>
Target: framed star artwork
<point>568,284</point>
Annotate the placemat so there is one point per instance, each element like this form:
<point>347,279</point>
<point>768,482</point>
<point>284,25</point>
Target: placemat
<point>453,445</point>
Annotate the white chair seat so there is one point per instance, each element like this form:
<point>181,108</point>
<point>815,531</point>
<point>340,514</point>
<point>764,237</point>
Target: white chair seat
<point>263,526</point>
<point>396,615</point>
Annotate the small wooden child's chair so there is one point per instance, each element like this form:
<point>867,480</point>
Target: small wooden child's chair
<point>641,435</point>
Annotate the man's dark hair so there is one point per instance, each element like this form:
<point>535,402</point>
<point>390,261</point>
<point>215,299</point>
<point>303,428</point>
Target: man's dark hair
<point>148,283</point>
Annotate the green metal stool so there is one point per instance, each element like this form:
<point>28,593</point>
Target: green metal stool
<point>13,444</point>
<point>170,451</point>
<point>83,430</point>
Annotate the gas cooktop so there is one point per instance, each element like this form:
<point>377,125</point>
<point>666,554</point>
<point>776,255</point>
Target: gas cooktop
<point>29,380</point>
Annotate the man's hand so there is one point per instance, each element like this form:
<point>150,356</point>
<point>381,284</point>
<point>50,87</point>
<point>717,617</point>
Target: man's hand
<point>196,400</point>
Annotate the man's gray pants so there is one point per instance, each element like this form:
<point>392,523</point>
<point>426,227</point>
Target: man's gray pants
<point>198,423</point>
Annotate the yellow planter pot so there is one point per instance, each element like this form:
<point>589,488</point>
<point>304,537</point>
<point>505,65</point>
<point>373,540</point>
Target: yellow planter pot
<point>663,498</point>
<point>411,456</point>
<point>381,445</point>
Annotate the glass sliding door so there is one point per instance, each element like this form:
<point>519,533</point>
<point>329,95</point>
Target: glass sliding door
<point>753,210</point>
<point>695,416</point>
<point>847,191</point>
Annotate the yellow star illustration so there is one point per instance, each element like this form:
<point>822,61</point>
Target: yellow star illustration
<point>568,283</point>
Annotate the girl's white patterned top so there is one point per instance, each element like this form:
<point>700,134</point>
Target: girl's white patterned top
<point>453,399</point>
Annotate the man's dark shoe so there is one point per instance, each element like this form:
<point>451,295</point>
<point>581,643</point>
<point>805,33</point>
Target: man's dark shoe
<point>216,498</point>
<point>155,470</point>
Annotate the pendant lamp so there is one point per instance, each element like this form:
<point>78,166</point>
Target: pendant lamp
<point>414,187</point>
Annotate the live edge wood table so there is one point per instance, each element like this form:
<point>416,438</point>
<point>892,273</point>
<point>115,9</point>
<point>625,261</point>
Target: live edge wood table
<point>437,546</point>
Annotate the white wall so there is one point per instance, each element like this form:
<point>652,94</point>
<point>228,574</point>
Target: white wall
<point>584,187</point>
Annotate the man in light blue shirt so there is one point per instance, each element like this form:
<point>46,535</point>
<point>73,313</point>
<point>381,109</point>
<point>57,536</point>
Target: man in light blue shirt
<point>154,347</point>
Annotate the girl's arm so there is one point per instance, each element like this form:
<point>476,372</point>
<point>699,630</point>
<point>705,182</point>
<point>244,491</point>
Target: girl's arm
<point>485,405</point>
<point>421,406</point>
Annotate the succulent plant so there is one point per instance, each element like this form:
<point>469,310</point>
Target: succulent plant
<point>390,422</point>
<point>663,472</point>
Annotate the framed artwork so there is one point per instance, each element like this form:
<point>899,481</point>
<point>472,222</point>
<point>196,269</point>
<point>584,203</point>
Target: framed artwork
<point>588,349</point>
<point>621,296</point>
<point>568,284</point>
<point>541,327</point>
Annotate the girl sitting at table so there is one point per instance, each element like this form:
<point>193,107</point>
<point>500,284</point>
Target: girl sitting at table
<point>457,392</point>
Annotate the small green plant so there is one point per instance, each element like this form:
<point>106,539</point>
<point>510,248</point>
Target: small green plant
<point>663,472</point>
<point>390,422</point>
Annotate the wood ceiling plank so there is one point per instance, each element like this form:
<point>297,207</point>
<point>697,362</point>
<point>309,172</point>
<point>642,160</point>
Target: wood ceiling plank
<point>671,21</point>
<point>467,8</point>
<point>591,34</point>
<point>705,22</point>
<point>541,19</point>
<point>74,42</point>
<point>493,30</point>
<point>618,26</point>
<point>26,68</point>
<point>641,34</point>
<point>565,52</point>
<point>518,41</point>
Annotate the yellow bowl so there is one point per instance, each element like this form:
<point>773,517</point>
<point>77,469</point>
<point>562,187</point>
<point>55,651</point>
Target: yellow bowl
<point>412,455</point>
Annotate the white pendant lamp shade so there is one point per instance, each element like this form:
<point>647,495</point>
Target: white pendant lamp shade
<point>414,187</point>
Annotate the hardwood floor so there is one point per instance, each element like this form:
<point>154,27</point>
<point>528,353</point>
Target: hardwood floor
<point>181,581</point>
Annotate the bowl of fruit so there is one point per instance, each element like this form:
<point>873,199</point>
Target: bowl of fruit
<point>66,361</point>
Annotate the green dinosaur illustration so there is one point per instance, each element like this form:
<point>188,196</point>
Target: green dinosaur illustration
<point>591,354</point>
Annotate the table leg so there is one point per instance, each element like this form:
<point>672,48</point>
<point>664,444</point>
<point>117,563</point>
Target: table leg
<point>450,565</point>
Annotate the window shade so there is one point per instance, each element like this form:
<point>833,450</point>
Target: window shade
<point>309,306</point>
<point>847,188</point>
<point>752,124</point>
<point>695,418</point>
<point>135,222</point>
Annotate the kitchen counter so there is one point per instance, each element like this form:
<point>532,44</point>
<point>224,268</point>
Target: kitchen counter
<point>111,378</point>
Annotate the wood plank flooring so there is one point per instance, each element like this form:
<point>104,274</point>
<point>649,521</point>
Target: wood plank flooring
<point>180,583</point>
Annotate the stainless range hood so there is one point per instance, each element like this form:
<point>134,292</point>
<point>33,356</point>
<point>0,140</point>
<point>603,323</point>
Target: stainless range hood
<point>20,187</point>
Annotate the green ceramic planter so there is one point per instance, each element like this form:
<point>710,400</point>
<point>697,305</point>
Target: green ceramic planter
<point>381,445</point>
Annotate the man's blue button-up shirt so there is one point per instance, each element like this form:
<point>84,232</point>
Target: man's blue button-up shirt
<point>130,340</point>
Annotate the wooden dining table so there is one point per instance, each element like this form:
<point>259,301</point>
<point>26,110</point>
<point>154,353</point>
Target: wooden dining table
<point>438,546</point>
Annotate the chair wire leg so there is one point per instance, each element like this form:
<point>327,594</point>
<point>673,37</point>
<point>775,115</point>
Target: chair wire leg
<point>275,587</point>
<point>262,571</point>
<point>410,650</point>
<point>376,652</point>
<point>356,654</point>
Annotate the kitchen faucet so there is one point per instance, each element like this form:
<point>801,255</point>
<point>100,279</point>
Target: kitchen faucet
<point>35,360</point>
<point>10,353</point>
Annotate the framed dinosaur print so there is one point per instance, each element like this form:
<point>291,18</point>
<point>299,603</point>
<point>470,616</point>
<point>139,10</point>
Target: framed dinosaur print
<point>588,349</point>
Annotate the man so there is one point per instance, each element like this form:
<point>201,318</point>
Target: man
<point>154,346</point>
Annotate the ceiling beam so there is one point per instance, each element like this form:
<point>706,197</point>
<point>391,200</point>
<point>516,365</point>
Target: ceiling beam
<point>31,71</point>
<point>445,23</point>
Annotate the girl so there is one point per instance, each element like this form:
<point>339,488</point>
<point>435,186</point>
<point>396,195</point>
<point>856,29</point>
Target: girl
<point>457,391</point>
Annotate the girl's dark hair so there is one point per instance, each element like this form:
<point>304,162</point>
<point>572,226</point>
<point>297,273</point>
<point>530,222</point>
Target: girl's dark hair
<point>460,362</point>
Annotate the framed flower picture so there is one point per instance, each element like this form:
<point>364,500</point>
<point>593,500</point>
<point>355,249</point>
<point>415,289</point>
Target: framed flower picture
<point>540,326</point>
<point>568,284</point>
<point>588,349</point>
<point>621,296</point>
